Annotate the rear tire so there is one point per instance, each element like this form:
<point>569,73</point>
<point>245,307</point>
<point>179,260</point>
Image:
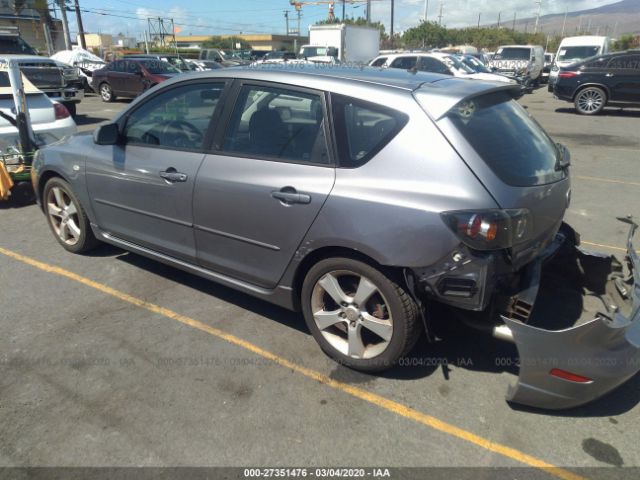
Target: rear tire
<point>67,219</point>
<point>590,101</point>
<point>106,92</point>
<point>360,317</point>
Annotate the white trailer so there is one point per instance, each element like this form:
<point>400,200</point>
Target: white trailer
<point>352,43</point>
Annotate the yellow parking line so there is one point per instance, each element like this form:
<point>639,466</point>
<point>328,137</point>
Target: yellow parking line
<point>606,180</point>
<point>602,245</point>
<point>372,398</point>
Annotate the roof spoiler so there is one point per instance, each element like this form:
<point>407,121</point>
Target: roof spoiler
<point>437,98</point>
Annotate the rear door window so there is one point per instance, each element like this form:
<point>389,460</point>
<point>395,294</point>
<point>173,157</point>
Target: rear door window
<point>278,123</point>
<point>508,139</point>
<point>379,62</point>
<point>363,128</point>
<point>406,63</point>
<point>430,64</point>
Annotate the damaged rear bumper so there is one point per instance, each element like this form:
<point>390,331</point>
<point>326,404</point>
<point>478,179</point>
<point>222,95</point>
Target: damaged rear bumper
<point>575,364</point>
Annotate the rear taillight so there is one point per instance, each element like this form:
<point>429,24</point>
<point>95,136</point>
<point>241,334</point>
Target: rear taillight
<point>490,229</point>
<point>61,111</point>
<point>567,74</point>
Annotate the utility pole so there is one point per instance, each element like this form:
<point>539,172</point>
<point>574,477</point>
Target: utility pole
<point>81,40</point>
<point>65,25</point>
<point>343,14</point>
<point>440,14</point>
<point>286,19</point>
<point>391,29</point>
<point>539,2</point>
<point>368,12</point>
<point>513,28</point>
<point>564,22</point>
<point>299,14</point>
<point>479,15</point>
<point>499,13</point>
<point>426,9</point>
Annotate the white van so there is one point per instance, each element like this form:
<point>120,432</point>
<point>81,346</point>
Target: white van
<point>522,63</point>
<point>574,49</point>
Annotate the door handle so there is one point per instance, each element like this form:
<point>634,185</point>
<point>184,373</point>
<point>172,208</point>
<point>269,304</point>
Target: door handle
<point>289,196</point>
<point>609,75</point>
<point>172,176</point>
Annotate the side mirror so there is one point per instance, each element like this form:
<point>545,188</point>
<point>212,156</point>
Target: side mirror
<point>106,134</point>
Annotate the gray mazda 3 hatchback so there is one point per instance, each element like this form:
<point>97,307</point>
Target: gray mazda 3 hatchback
<point>358,197</point>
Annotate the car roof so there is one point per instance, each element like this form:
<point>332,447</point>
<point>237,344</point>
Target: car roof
<point>299,74</point>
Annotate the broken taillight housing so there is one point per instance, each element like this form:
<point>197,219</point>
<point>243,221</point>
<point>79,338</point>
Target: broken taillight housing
<point>490,229</point>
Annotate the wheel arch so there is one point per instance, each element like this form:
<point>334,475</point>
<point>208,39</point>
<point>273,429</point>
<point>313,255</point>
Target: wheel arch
<point>322,253</point>
<point>592,84</point>
<point>43,178</point>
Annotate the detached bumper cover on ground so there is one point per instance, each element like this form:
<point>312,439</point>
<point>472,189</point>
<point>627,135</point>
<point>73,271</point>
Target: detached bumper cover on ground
<point>572,366</point>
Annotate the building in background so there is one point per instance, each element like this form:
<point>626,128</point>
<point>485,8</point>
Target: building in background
<point>44,34</point>
<point>262,42</point>
<point>98,41</point>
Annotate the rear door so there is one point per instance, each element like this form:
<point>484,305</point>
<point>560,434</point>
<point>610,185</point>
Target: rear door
<point>405,62</point>
<point>267,177</point>
<point>623,75</point>
<point>433,65</point>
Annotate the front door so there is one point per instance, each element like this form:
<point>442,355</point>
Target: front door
<point>259,192</point>
<point>142,188</point>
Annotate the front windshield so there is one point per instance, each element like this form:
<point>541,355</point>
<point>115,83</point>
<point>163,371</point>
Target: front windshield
<point>453,62</point>
<point>513,53</point>
<point>567,54</point>
<point>158,67</point>
<point>475,64</point>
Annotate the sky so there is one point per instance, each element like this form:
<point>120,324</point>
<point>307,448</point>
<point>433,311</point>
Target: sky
<point>217,17</point>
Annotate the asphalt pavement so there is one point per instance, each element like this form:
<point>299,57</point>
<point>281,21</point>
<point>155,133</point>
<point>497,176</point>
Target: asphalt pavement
<point>111,359</point>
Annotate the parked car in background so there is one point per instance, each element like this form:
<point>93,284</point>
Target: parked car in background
<point>597,82</point>
<point>202,65</point>
<point>131,77</point>
<point>574,49</point>
<point>175,60</point>
<point>219,56</point>
<point>278,56</point>
<point>546,69</point>
<point>50,121</point>
<point>436,62</point>
<point>522,63</point>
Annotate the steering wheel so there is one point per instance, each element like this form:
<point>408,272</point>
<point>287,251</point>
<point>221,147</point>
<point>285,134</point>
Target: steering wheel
<point>180,133</point>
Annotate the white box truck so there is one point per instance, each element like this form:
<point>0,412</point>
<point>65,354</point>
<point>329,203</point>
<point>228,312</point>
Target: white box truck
<point>342,42</point>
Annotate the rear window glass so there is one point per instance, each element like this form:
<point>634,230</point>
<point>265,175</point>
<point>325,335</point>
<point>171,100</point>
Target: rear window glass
<point>363,128</point>
<point>567,54</point>
<point>510,141</point>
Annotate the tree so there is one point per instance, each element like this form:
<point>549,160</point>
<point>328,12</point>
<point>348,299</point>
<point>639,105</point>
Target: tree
<point>227,43</point>
<point>356,21</point>
<point>625,42</point>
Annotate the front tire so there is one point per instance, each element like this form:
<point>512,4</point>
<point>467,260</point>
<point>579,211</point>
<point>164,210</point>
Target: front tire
<point>106,93</point>
<point>360,317</point>
<point>590,101</point>
<point>67,219</point>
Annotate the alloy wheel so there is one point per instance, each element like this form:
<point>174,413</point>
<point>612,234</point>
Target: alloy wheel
<point>590,100</point>
<point>63,215</point>
<point>105,92</point>
<point>352,314</point>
